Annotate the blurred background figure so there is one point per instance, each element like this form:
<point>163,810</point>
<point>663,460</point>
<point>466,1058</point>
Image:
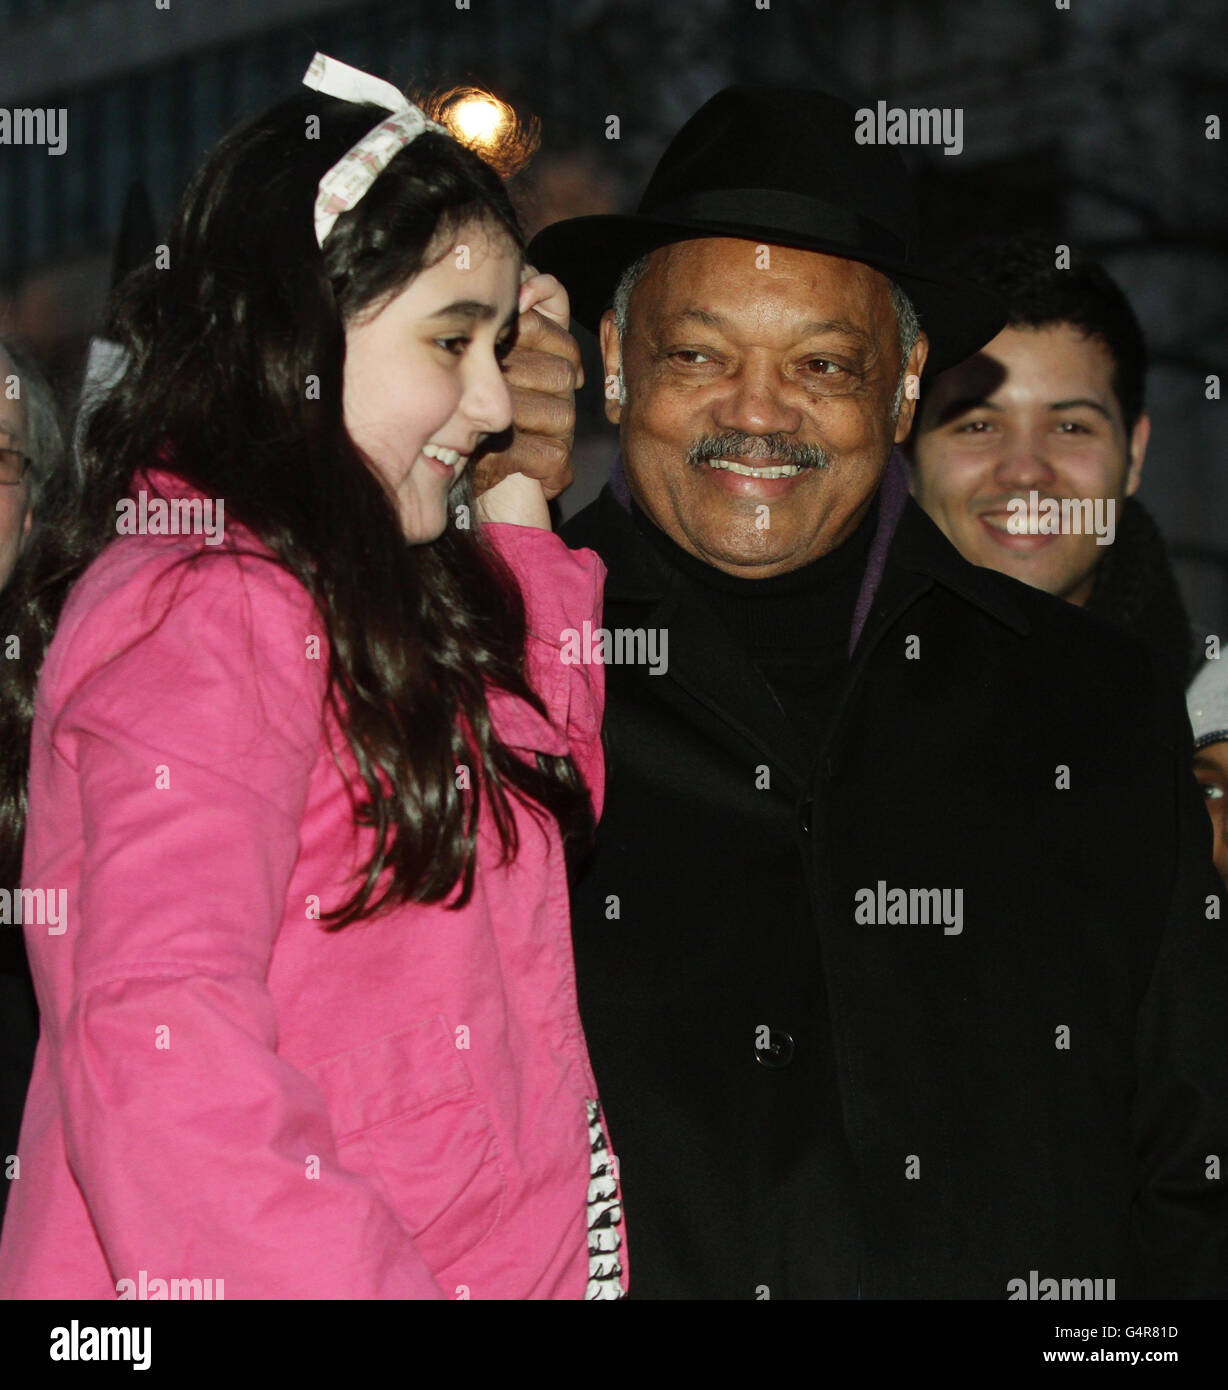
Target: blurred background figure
<point>30,442</point>
<point>31,454</point>
<point>1208,707</point>
<point>1052,408</point>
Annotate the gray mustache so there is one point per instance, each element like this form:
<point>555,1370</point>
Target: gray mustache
<point>770,449</point>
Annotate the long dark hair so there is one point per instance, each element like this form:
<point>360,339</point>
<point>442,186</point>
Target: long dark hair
<point>221,342</point>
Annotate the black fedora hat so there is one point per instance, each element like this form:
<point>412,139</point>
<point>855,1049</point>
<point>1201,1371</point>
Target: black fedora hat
<point>779,165</point>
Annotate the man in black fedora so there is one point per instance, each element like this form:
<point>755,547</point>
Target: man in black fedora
<point>859,1029</point>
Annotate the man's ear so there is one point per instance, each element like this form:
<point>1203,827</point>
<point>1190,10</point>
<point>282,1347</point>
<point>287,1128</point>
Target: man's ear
<point>912,387</point>
<point>611,358</point>
<point>1139,436</point>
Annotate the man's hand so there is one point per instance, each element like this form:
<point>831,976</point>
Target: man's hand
<point>543,371</point>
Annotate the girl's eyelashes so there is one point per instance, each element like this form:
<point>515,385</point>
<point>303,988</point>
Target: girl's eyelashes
<point>458,344</point>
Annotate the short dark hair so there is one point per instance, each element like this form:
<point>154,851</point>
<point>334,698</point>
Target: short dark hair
<point>1021,271</point>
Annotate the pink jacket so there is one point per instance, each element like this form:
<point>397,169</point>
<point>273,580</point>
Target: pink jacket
<point>222,1089</point>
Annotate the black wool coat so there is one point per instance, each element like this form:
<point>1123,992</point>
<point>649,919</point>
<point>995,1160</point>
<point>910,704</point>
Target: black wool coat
<point>809,1101</point>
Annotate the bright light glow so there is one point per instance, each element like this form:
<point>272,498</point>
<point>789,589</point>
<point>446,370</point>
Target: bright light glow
<point>478,119</point>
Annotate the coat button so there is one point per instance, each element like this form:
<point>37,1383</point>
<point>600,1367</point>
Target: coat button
<point>778,1053</point>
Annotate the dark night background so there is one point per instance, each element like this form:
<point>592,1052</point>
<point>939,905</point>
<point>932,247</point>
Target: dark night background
<point>1087,123</point>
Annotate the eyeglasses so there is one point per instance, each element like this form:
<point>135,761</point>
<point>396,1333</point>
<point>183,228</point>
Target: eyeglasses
<point>13,466</point>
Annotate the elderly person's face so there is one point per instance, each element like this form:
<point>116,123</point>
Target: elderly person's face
<point>1211,770</point>
<point>15,511</point>
<point>793,364</point>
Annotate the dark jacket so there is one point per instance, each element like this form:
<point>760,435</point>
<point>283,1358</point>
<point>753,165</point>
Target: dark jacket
<point>1135,587</point>
<point>805,1105</point>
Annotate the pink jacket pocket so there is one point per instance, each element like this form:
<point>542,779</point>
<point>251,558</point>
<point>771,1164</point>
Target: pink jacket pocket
<point>406,1116</point>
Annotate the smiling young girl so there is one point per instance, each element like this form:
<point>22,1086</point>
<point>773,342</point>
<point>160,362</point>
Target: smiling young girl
<point>310,1028</point>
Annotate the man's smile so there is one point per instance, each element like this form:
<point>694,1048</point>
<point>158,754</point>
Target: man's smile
<point>756,468</point>
<point>1004,530</point>
<point>759,478</point>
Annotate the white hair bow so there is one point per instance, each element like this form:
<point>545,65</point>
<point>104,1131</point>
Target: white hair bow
<point>347,182</point>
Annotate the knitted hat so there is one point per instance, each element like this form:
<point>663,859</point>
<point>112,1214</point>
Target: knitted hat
<point>1207,700</point>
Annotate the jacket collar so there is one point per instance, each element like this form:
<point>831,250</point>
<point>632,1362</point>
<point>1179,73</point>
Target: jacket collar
<point>906,539</point>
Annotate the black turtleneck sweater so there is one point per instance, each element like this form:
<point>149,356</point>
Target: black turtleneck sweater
<point>794,627</point>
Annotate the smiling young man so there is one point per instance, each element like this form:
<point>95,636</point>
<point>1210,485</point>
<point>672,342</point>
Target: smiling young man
<point>1029,454</point>
<point>820,1081</point>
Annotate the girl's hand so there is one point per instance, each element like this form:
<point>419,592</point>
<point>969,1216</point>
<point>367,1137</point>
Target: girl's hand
<point>543,371</point>
<point>546,294</point>
<point>518,499</point>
